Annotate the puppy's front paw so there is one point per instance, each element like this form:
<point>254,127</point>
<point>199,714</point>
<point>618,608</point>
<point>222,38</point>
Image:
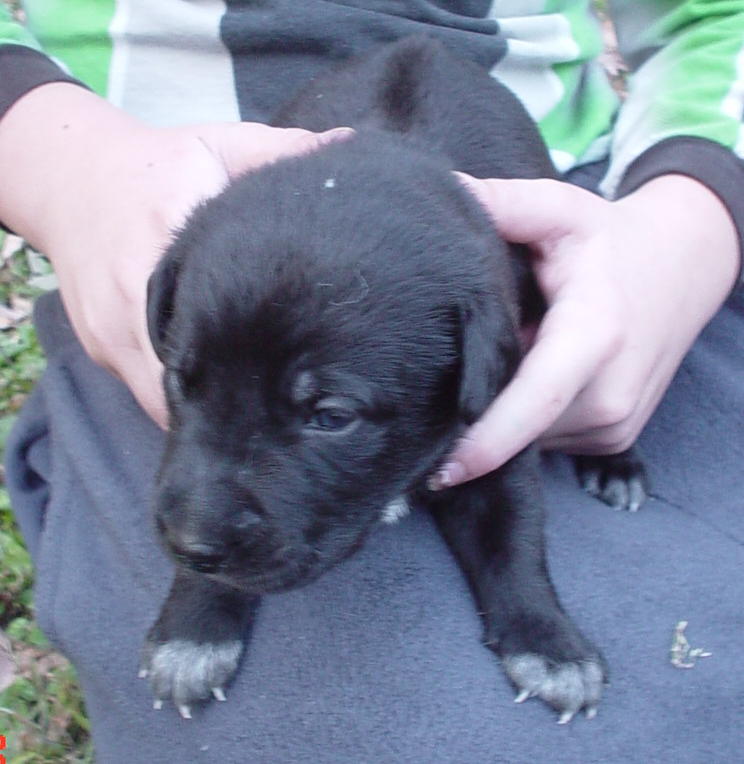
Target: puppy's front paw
<point>547,657</point>
<point>619,480</point>
<point>568,687</point>
<point>187,672</point>
<point>193,649</point>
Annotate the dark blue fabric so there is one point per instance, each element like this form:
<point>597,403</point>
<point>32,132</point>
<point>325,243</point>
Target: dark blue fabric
<point>277,46</point>
<point>380,661</point>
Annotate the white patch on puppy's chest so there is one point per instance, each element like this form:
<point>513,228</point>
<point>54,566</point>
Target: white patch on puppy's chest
<point>397,509</point>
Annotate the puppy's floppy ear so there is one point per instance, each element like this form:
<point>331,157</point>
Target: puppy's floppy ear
<point>160,290</point>
<point>489,354</point>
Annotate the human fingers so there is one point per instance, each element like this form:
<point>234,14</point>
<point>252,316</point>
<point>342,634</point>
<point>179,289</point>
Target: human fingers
<point>142,372</point>
<point>245,146</point>
<point>548,379</point>
<point>114,334</point>
<point>531,211</point>
<point>599,421</point>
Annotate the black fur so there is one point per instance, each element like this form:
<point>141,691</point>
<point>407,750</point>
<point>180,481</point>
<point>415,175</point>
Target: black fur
<point>329,325</point>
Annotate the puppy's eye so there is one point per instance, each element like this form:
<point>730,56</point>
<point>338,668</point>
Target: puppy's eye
<point>331,418</point>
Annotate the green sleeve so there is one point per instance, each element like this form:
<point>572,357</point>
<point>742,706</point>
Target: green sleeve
<point>11,31</point>
<point>23,64</point>
<point>686,63</point>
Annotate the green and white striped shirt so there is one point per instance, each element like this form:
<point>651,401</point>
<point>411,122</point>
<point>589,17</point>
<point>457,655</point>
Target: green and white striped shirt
<point>179,61</point>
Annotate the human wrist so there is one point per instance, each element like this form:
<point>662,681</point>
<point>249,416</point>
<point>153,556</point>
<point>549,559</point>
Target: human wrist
<point>49,139</point>
<point>708,162</point>
<point>691,223</point>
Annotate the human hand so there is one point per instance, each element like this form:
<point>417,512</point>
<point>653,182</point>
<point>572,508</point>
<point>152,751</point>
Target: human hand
<point>629,286</point>
<point>101,193</point>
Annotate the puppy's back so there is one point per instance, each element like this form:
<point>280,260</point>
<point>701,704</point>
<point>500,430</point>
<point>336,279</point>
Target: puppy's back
<point>443,105</point>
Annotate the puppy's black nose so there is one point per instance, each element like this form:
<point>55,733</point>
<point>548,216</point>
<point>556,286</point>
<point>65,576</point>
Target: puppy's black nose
<point>200,557</point>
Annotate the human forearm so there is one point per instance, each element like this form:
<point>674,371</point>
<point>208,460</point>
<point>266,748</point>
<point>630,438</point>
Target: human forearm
<point>101,193</point>
<point>48,140</point>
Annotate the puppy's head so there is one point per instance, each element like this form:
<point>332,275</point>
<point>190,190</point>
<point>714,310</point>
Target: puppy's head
<point>328,325</point>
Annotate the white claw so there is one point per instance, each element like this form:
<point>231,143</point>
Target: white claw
<point>157,704</point>
<point>219,694</point>
<point>591,712</point>
<point>143,673</point>
<point>566,717</point>
<point>185,712</point>
<point>522,696</point>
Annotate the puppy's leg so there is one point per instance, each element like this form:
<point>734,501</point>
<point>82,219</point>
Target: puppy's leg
<point>193,649</point>
<point>494,526</point>
<point>618,480</point>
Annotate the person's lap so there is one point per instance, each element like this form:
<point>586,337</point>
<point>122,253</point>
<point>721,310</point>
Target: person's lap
<point>380,659</point>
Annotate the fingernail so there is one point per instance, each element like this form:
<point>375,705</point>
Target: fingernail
<point>473,184</point>
<point>337,134</point>
<point>448,475</point>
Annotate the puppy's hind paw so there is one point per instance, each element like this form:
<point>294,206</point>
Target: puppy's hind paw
<point>186,672</point>
<point>568,687</point>
<point>619,480</point>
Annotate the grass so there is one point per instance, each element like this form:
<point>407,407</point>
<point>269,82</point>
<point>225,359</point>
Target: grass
<point>41,708</point>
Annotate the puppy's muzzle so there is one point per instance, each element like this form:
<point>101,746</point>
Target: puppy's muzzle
<point>208,552</point>
<point>200,557</point>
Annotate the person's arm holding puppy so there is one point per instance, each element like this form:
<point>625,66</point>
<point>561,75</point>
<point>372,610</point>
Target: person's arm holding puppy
<point>101,192</point>
<point>629,285</point>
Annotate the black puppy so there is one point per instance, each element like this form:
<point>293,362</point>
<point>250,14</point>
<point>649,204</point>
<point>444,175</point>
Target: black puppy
<point>329,325</point>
